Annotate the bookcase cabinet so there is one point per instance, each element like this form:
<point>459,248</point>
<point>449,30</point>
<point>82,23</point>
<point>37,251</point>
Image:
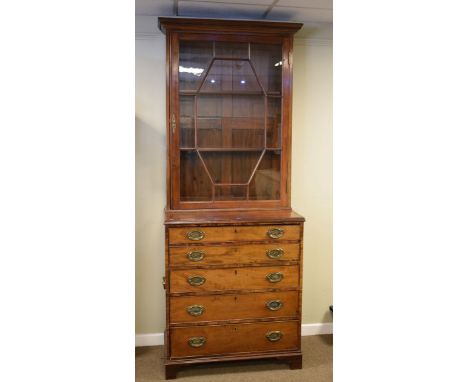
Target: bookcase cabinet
<point>233,245</point>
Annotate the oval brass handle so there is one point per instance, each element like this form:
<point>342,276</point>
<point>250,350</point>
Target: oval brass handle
<point>274,277</point>
<point>275,253</point>
<point>196,342</point>
<point>274,304</point>
<point>195,235</point>
<point>196,280</point>
<point>275,233</point>
<point>274,335</point>
<point>195,310</point>
<point>196,255</point>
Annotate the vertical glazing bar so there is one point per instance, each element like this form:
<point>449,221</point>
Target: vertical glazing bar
<point>195,121</point>
<point>265,121</point>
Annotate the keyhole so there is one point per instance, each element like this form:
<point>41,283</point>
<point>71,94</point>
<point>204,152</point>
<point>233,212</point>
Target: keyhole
<point>235,271</point>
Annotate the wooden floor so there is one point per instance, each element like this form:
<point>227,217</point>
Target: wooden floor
<point>316,366</point>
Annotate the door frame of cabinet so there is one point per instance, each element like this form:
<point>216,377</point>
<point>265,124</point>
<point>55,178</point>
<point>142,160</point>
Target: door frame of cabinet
<point>172,109</point>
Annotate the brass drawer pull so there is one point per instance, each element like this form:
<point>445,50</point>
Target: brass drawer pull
<point>196,255</point>
<point>195,235</point>
<point>274,335</point>
<point>274,277</point>
<point>275,233</point>
<point>274,304</point>
<point>195,310</point>
<point>275,253</point>
<point>196,280</point>
<point>197,342</point>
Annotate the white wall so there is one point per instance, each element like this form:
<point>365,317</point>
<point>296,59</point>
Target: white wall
<point>311,169</point>
<point>150,138</point>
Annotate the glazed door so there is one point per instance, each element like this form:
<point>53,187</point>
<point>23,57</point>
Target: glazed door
<point>229,127</point>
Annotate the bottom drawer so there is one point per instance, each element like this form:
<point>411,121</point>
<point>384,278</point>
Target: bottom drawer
<point>234,338</point>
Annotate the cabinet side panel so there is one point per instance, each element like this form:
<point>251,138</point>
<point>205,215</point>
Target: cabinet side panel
<point>286,123</point>
<point>168,113</point>
<point>174,119</point>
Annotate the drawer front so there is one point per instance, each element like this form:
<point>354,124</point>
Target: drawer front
<point>233,254</point>
<point>234,338</point>
<point>233,306</point>
<point>199,280</point>
<point>188,235</point>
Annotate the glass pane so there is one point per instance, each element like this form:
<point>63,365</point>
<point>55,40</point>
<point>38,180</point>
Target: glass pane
<point>267,62</point>
<point>186,104</point>
<point>265,184</point>
<point>230,76</point>
<point>194,59</point>
<point>230,192</point>
<point>230,121</point>
<point>210,132</point>
<point>273,137</point>
<point>230,113</point>
<point>231,49</point>
<point>195,185</point>
<point>230,167</point>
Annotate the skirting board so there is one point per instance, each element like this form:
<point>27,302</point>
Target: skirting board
<point>155,339</point>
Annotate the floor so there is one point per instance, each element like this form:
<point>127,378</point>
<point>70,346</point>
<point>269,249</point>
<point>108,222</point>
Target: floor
<point>316,366</point>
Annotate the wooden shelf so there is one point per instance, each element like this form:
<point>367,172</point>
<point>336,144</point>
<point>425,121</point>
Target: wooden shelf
<point>223,149</point>
<point>241,93</point>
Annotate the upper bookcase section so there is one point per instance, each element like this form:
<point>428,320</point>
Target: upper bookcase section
<point>229,86</point>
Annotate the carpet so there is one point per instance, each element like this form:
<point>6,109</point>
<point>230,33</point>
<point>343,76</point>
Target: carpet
<point>316,366</point>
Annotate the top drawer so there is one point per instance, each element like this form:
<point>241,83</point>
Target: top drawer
<point>186,235</point>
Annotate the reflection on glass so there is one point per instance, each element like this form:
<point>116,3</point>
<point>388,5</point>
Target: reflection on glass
<point>231,121</point>
<point>194,58</point>
<point>231,49</point>
<point>266,182</point>
<point>230,114</point>
<point>230,192</point>
<point>267,61</point>
<point>187,136</point>
<point>230,167</point>
<point>195,185</point>
<point>273,123</point>
<point>229,75</point>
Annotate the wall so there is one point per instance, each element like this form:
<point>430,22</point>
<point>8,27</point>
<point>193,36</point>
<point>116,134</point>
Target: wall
<point>311,170</point>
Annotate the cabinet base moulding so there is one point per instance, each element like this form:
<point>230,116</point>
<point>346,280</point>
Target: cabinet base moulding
<point>293,358</point>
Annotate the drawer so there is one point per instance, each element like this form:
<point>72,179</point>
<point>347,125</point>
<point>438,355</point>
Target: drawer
<point>233,233</point>
<point>202,280</point>
<point>234,338</point>
<point>233,306</point>
<point>233,254</point>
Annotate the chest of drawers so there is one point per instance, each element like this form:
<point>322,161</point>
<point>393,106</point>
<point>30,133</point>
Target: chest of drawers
<point>233,292</point>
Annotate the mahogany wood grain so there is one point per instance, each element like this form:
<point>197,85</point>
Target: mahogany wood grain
<point>233,307</point>
<point>233,338</point>
<point>253,278</point>
<point>237,27</point>
<point>233,254</point>
<point>231,204</point>
<point>224,234</point>
<point>232,217</point>
<point>292,357</point>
